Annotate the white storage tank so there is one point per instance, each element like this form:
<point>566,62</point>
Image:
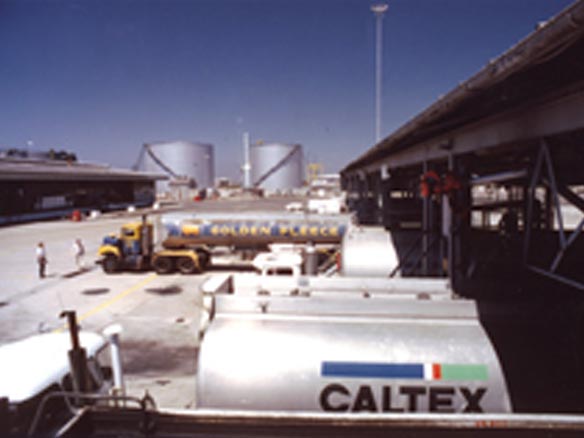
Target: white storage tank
<point>180,159</point>
<point>276,166</point>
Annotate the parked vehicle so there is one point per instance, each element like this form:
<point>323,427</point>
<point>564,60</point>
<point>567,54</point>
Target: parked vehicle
<point>187,245</point>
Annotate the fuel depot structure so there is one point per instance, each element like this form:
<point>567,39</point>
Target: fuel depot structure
<point>44,187</point>
<point>485,187</point>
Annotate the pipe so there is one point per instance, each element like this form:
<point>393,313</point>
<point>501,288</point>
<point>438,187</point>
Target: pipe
<point>499,177</point>
<point>77,355</point>
<point>112,333</point>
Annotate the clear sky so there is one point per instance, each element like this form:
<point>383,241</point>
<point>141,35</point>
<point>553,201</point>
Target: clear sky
<point>100,78</point>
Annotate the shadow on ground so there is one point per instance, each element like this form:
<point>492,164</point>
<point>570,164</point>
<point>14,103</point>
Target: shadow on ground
<point>96,291</point>
<point>239,267</point>
<point>76,273</point>
<point>167,290</point>
<point>145,357</point>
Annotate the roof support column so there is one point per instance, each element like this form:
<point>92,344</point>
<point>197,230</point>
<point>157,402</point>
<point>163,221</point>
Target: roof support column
<point>426,227</point>
<point>456,205</point>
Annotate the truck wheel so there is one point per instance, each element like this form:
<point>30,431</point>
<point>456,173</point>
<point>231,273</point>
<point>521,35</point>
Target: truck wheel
<point>110,264</point>
<point>186,265</point>
<point>163,265</point>
<point>204,259</point>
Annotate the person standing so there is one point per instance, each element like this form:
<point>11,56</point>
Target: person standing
<point>78,252</point>
<point>41,256</point>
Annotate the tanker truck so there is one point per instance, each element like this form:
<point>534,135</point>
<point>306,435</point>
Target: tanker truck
<point>188,243</point>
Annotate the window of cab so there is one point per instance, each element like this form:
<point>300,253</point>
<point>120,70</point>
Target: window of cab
<point>128,232</point>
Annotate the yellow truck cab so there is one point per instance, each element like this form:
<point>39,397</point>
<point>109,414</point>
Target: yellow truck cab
<point>132,249</point>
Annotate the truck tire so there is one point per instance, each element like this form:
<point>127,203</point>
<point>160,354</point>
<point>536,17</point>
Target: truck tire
<point>204,259</point>
<point>186,265</point>
<point>110,264</point>
<point>163,265</point>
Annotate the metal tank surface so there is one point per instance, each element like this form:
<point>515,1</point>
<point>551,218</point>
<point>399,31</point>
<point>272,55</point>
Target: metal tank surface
<point>174,219</point>
<point>276,166</point>
<point>251,284</point>
<point>236,233</point>
<point>348,355</point>
<point>183,230</point>
<point>368,252</point>
<point>180,158</point>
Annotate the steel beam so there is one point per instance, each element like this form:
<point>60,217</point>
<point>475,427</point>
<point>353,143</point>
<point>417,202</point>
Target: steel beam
<point>529,123</point>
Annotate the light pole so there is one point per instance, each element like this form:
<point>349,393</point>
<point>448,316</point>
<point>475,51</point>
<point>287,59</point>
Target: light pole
<point>378,9</point>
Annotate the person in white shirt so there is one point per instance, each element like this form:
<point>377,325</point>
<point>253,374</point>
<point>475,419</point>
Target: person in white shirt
<point>41,256</point>
<point>78,252</point>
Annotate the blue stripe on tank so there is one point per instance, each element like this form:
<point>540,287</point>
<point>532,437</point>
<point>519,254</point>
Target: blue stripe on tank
<point>372,370</point>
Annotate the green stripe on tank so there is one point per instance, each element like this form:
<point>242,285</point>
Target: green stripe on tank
<point>464,372</point>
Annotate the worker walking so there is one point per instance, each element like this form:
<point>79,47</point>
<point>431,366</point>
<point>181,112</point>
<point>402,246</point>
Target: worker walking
<point>41,256</point>
<point>78,252</point>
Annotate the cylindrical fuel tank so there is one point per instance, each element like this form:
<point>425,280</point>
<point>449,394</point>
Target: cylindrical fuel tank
<point>276,166</point>
<point>237,233</point>
<point>180,158</point>
<point>175,218</point>
<point>349,355</point>
<point>368,252</point>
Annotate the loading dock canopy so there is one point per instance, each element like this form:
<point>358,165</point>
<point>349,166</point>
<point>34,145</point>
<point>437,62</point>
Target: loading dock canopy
<point>43,170</point>
<point>534,90</point>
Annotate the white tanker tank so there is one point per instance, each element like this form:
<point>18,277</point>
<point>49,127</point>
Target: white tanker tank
<point>368,251</point>
<point>352,354</point>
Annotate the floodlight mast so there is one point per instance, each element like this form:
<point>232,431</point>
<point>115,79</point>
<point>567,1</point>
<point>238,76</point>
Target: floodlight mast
<point>378,9</point>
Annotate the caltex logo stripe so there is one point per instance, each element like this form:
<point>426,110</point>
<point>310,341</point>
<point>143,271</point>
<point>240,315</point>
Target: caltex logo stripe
<point>420,371</point>
<point>373,370</point>
<point>463,372</point>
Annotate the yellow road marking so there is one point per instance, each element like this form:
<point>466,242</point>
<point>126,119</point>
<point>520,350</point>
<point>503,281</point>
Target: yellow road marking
<point>111,301</point>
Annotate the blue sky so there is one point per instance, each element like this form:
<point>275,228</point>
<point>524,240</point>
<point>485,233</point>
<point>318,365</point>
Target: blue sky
<point>100,78</point>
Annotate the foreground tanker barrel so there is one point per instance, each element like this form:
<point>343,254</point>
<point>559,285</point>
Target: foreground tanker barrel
<point>350,355</point>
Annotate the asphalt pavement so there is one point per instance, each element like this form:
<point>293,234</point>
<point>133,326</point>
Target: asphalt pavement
<point>159,314</point>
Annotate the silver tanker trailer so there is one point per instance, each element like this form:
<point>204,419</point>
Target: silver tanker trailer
<point>322,347</point>
<point>315,358</point>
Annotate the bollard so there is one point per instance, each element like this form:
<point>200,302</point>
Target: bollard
<point>310,260</point>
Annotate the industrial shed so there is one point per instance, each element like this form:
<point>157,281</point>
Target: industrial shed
<point>486,187</point>
<point>500,159</point>
<point>36,189</point>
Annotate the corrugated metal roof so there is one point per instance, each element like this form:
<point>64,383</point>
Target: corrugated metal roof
<point>480,95</point>
<point>26,169</point>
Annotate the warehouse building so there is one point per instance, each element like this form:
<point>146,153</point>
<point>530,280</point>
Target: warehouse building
<point>44,187</point>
